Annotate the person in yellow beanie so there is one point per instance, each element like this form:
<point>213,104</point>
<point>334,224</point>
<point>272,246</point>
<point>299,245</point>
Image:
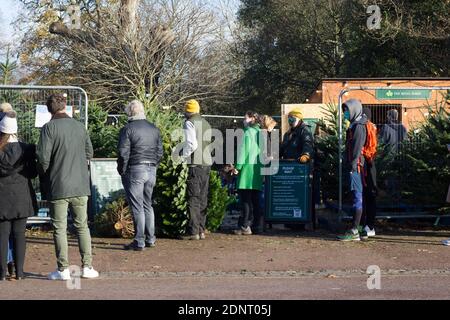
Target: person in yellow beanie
<point>298,142</point>
<point>196,152</point>
<point>192,106</point>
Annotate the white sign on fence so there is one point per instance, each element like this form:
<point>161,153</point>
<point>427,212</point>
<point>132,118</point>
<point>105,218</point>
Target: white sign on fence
<point>43,116</point>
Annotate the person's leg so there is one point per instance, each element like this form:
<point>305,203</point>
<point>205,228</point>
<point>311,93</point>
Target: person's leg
<point>356,185</point>
<point>371,209</point>
<point>19,244</point>
<point>80,222</point>
<point>257,212</point>
<point>365,202</point>
<point>204,199</point>
<point>58,213</point>
<point>150,238</point>
<point>5,228</point>
<point>136,179</point>
<point>246,202</point>
<point>194,188</point>
<point>10,250</point>
<point>357,193</point>
<point>358,207</point>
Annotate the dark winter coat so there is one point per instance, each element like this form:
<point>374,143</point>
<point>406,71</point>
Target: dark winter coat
<point>63,151</point>
<point>139,141</point>
<point>297,142</point>
<point>392,134</point>
<point>17,167</point>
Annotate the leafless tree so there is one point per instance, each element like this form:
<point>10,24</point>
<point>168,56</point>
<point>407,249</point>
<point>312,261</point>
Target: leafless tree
<point>167,51</point>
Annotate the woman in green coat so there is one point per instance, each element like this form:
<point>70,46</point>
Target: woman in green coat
<point>248,168</point>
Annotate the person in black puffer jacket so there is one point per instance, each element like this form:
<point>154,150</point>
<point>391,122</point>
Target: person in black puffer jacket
<point>140,151</point>
<point>18,200</point>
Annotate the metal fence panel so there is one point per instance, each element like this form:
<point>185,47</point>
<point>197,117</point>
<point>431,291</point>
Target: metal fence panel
<point>24,100</point>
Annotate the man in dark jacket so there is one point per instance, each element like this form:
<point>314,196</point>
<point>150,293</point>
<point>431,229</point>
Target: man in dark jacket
<point>356,139</point>
<point>63,153</point>
<point>393,133</point>
<point>140,152</point>
<point>298,142</point>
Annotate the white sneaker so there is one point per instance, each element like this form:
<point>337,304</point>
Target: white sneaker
<point>370,232</point>
<point>446,243</point>
<point>60,275</point>
<point>89,273</point>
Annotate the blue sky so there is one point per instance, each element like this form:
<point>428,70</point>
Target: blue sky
<point>8,12</point>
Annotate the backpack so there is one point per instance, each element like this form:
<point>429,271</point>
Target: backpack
<point>369,150</point>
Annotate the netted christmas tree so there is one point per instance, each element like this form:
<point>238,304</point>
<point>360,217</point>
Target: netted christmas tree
<point>424,160</point>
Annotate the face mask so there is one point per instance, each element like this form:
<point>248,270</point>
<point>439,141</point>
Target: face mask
<point>347,115</point>
<point>292,121</point>
<point>246,123</point>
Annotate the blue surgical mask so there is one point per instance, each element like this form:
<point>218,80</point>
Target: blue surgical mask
<point>347,115</point>
<point>292,120</point>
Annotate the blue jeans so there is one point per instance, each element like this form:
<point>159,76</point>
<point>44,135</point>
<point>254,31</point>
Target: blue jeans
<point>356,186</point>
<point>139,181</point>
<point>10,253</point>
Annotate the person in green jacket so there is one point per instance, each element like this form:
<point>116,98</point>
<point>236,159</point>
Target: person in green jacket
<point>248,169</point>
<point>63,152</point>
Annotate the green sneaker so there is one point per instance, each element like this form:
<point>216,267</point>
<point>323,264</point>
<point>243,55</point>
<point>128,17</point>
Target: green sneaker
<point>364,235</point>
<point>349,236</point>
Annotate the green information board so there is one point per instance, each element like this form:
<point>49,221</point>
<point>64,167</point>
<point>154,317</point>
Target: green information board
<point>403,94</point>
<point>105,180</point>
<point>288,194</point>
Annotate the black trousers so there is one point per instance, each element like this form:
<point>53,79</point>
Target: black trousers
<point>197,191</point>
<point>251,210</point>
<point>369,199</point>
<point>17,229</point>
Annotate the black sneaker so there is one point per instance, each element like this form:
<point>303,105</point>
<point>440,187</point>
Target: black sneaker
<point>150,245</point>
<point>133,246</point>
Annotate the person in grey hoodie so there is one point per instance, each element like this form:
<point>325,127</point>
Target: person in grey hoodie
<point>393,133</point>
<point>356,139</point>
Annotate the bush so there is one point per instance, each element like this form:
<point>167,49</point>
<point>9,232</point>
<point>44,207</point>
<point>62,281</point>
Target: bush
<point>422,167</point>
<point>327,155</point>
<point>217,203</point>
<point>104,136</point>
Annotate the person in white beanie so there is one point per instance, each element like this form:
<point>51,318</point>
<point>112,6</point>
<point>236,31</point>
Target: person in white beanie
<point>6,107</point>
<point>17,168</point>
<point>8,125</point>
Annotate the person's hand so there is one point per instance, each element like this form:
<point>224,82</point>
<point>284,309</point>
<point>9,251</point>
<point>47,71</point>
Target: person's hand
<point>235,172</point>
<point>304,159</point>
